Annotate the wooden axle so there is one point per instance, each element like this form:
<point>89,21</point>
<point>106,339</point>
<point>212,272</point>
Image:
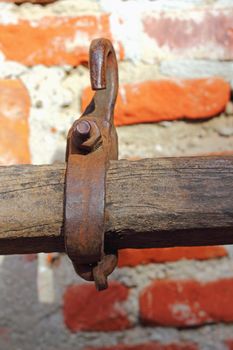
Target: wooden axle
<point>161,202</point>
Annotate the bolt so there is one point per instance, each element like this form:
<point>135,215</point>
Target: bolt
<point>81,132</point>
<point>83,129</point>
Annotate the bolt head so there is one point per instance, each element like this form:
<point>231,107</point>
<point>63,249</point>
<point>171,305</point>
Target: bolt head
<point>83,129</point>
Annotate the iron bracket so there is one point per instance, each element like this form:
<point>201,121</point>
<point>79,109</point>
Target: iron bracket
<point>91,144</point>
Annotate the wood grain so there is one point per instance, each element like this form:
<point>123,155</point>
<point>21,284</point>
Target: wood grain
<point>149,203</point>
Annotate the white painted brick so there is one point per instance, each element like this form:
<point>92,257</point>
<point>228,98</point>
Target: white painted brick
<point>197,69</point>
<point>163,5</point>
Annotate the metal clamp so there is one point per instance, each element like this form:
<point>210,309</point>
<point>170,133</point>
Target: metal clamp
<point>91,144</point>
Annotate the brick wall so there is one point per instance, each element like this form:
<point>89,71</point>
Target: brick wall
<point>176,76</point>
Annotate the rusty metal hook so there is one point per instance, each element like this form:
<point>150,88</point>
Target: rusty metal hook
<point>104,81</point>
<point>104,72</point>
<point>92,142</point>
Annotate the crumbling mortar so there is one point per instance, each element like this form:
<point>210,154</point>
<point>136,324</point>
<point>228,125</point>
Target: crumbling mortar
<point>33,12</point>
<point>203,271</point>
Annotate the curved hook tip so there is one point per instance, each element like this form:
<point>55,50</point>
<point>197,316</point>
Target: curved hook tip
<point>99,52</point>
<point>97,67</point>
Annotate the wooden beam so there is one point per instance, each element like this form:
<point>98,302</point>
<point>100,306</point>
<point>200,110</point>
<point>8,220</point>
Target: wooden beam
<point>150,203</point>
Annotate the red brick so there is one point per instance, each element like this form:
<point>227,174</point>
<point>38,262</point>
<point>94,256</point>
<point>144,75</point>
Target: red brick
<point>150,346</point>
<point>229,344</point>
<point>154,101</point>
<point>187,302</point>
<point>14,130</point>
<point>5,334</point>
<point>4,331</point>
<point>52,40</point>
<point>201,34</point>
<point>85,309</point>
<point>133,257</point>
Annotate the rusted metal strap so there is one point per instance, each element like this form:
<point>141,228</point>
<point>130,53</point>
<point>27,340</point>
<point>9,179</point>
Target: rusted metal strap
<point>92,142</point>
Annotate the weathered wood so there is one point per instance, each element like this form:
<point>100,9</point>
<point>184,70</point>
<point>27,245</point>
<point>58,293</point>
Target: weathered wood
<point>150,203</point>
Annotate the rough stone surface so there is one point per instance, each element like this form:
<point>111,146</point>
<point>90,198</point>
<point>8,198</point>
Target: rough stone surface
<point>53,108</point>
<point>174,139</point>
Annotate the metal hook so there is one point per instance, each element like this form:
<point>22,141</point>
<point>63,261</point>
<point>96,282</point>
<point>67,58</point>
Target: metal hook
<point>92,143</point>
<point>104,71</point>
<point>104,78</point>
